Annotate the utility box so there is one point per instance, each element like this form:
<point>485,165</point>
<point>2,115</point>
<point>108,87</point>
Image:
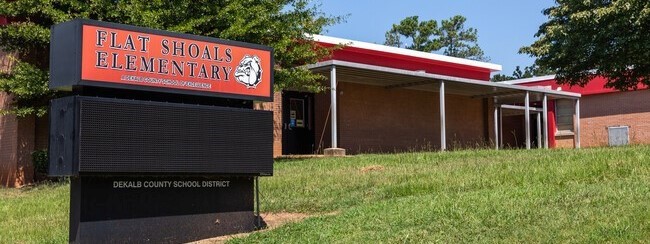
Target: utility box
<point>618,135</point>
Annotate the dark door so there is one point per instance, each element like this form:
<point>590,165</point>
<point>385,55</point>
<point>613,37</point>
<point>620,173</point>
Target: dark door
<point>297,123</point>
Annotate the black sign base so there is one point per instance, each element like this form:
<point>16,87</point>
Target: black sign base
<point>157,209</point>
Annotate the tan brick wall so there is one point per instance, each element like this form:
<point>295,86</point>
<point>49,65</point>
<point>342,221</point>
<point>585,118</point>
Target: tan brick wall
<point>613,109</point>
<point>376,119</point>
<point>564,142</point>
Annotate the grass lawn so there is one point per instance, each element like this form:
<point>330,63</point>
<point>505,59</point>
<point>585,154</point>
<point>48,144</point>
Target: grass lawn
<point>35,214</point>
<point>588,195</point>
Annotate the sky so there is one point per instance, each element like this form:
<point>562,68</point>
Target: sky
<point>503,25</point>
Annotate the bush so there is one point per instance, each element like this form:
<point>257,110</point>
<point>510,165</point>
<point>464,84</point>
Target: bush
<point>40,161</point>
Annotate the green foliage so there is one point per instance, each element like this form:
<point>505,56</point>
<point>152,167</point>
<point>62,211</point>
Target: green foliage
<point>451,36</point>
<point>501,77</point>
<point>281,24</point>
<point>28,85</point>
<point>585,39</point>
<point>40,161</point>
<point>422,34</point>
<point>528,72</point>
<point>459,41</point>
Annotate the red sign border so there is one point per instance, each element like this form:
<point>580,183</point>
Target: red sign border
<point>66,49</point>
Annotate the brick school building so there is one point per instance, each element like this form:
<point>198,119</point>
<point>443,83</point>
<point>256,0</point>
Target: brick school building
<point>379,99</point>
<point>608,116</point>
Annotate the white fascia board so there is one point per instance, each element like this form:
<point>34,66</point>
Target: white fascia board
<point>406,52</point>
<point>529,80</point>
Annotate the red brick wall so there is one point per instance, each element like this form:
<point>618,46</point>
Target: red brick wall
<point>42,133</point>
<point>513,127</point>
<point>276,107</point>
<point>597,112</point>
<point>565,142</point>
<point>376,119</point>
<point>16,146</point>
<point>8,144</point>
<point>322,121</point>
<point>18,138</point>
<point>514,131</point>
<point>25,147</point>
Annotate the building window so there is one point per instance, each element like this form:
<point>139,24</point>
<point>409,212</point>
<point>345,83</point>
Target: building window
<point>564,110</point>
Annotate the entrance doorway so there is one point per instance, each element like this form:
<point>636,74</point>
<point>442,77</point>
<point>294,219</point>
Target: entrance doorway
<point>297,123</point>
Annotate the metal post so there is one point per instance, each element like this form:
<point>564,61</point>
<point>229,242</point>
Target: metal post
<point>443,129</point>
<point>545,119</point>
<point>257,202</point>
<point>333,101</point>
<point>577,125</point>
<point>527,118</point>
<point>501,127</point>
<point>496,125</point>
<point>539,130</point>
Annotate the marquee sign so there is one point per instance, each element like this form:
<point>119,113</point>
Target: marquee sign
<point>94,53</point>
<point>158,134</point>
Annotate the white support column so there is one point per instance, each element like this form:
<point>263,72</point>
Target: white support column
<point>333,101</point>
<point>539,129</point>
<point>527,118</point>
<point>496,124</point>
<point>501,127</point>
<point>545,120</point>
<point>443,129</point>
<point>577,125</point>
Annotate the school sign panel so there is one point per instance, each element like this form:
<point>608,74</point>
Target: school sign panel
<point>112,55</point>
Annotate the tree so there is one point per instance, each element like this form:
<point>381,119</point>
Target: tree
<point>421,34</point>
<point>280,24</point>
<point>527,72</point>
<point>451,37</point>
<point>585,39</point>
<point>530,71</point>
<point>460,42</point>
<point>501,77</point>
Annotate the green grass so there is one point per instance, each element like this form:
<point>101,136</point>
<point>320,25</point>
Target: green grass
<point>588,195</point>
<point>35,214</point>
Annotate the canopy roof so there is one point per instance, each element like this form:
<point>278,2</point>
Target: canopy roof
<point>405,52</point>
<point>391,78</point>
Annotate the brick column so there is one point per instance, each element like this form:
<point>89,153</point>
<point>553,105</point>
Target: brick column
<point>276,107</point>
<point>16,146</point>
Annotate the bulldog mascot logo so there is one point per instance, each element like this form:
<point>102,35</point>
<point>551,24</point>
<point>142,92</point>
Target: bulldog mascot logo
<point>249,71</point>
